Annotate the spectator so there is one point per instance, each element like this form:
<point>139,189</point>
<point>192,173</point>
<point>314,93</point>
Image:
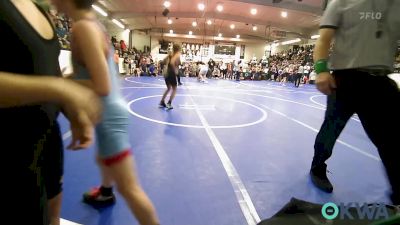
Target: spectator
<point>123,46</point>
<point>313,77</point>
<point>126,64</point>
<point>114,40</point>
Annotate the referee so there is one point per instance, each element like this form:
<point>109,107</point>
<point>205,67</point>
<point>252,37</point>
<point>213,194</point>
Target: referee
<point>365,34</point>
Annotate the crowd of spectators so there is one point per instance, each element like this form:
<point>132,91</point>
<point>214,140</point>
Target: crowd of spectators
<point>282,67</point>
<point>292,65</point>
<point>137,63</point>
<point>63,26</point>
<point>287,65</point>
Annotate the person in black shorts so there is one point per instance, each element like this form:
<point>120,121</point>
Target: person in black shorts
<point>171,63</point>
<point>31,97</point>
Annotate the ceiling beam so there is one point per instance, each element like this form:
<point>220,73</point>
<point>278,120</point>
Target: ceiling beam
<point>199,38</point>
<point>183,31</point>
<point>285,4</point>
<point>210,15</point>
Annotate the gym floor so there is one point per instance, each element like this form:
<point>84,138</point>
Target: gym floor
<point>229,153</point>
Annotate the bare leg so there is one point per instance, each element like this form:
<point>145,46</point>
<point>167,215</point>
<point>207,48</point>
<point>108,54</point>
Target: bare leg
<point>166,93</point>
<point>171,98</point>
<point>106,178</point>
<point>128,186</point>
<point>55,209</point>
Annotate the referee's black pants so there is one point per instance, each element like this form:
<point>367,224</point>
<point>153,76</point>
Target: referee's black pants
<point>376,100</point>
<point>297,78</point>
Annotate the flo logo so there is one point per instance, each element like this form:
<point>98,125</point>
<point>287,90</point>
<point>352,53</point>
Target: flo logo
<point>370,15</point>
<point>354,210</point>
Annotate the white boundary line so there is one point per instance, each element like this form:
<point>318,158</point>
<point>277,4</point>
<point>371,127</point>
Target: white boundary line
<point>305,92</point>
<point>271,97</point>
<point>315,102</point>
<point>138,82</point>
<point>316,131</point>
<point>268,87</point>
<point>203,107</point>
<point>67,135</point>
<point>242,92</point>
<point>243,197</point>
<point>282,88</point>
<point>302,87</point>
<point>67,222</point>
<point>261,91</point>
<point>280,99</point>
<point>163,85</point>
<point>198,84</point>
<point>261,119</point>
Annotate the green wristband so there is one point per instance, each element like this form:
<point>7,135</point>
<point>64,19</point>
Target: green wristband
<point>321,66</point>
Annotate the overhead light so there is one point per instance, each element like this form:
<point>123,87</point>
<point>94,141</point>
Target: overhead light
<point>99,10</point>
<point>253,11</point>
<point>167,4</point>
<point>238,36</point>
<point>190,32</point>
<point>201,6</point>
<point>232,26</point>
<point>209,22</point>
<point>219,35</point>
<point>169,21</point>
<point>194,23</point>
<point>284,14</point>
<point>291,41</point>
<point>275,45</point>
<point>220,8</point>
<point>254,28</point>
<point>116,22</point>
<point>315,36</point>
<point>171,31</point>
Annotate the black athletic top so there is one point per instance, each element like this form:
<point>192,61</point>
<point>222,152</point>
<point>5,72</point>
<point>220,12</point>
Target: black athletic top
<point>26,131</point>
<point>25,51</point>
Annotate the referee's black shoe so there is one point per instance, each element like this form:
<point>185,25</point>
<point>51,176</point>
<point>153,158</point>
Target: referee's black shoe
<point>320,180</point>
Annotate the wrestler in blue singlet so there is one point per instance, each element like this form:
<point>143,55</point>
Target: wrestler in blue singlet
<point>112,132</point>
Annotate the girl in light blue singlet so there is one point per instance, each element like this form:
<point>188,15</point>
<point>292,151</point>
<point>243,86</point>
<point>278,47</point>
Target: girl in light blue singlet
<point>93,59</point>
